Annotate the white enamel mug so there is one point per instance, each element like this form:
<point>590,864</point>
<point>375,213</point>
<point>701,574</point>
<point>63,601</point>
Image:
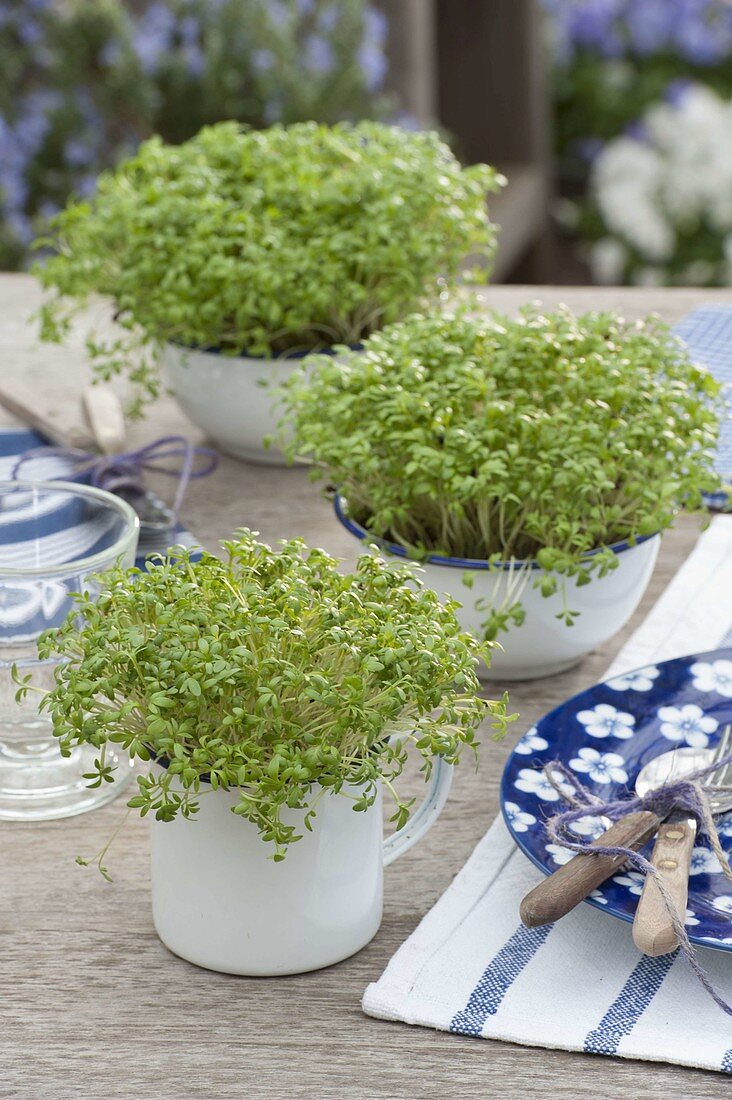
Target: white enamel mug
<point>221,902</point>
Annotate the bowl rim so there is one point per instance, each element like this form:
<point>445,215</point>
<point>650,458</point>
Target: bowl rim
<point>88,492</point>
<point>340,505</point>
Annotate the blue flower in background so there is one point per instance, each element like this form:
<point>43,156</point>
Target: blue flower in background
<point>593,24</point>
<point>650,25</point>
<point>189,30</point>
<point>702,35</point>
<point>318,54</point>
<point>637,130</point>
<point>699,31</point>
<point>263,61</point>
<point>371,55</point>
<point>676,91</point>
<point>86,185</point>
<point>47,209</point>
<point>78,153</point>
<point>153,36</point>
<point>19,226</point>
<point>194,59</point>
<point>278,12</point>
<point>328,18</point>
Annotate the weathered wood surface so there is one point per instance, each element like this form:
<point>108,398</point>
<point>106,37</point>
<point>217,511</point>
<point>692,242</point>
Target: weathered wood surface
<point>92,1005</point>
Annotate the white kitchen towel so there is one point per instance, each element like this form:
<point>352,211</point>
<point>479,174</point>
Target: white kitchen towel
<point>471,967</point>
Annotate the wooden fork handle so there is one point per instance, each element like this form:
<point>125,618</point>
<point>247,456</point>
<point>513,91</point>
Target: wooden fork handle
<point>571,883</point>
<point>653,930</point>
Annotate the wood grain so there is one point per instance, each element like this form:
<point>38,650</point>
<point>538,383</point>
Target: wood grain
<point>92,1004</point>
<point>653,929</point>
<point>570,884</point>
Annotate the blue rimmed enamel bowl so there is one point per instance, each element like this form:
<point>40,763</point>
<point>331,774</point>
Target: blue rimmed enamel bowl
<point>543,644</point>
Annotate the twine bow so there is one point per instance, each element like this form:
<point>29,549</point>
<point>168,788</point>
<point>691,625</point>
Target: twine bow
<point>686,795</point>
<point>171,455</point>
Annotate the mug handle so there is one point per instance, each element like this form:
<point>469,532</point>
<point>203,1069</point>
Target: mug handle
<point>425,817</point>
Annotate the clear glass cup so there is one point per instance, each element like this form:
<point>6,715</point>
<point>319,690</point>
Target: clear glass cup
<point>55,537</point>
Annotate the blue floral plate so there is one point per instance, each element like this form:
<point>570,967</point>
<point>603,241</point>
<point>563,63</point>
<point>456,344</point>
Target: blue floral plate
<point>606,735</point>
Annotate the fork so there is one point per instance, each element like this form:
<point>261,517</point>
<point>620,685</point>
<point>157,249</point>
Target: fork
<point>653,930</point>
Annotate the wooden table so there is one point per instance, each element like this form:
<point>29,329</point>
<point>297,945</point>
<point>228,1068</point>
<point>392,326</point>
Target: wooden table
<point>93,1005</point>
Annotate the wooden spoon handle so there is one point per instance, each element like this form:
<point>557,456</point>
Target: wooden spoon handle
<point>571,883</point>
<point>653,930</point>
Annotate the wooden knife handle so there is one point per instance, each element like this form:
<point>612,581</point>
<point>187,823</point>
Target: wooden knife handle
<point>653,930</point>
<point>571,883</point>
<point>106,418</point>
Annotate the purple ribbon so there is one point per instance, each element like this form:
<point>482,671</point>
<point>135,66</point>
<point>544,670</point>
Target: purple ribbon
<point>171,455</point>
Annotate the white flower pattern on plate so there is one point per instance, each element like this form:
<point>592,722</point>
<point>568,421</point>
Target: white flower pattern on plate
<point>560,854</point>
<point>641,679</point>
<point>713,676</point>
<point>533,781</point>
<point>723,903</point>
<point>597,895</point>
<point>691,918</point>
<point>605,720</point>
<point>531,742</point>
<point>603,767</point>
<point>633,880</point>
<point>588,826</point>
<point>704,862</point>
<point>520,820</point>
<point>688,723</point>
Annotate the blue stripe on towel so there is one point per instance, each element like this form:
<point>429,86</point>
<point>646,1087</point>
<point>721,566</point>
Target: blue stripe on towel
<point>15,441</point>
<point>630,1004</point>
<point>497,979</point>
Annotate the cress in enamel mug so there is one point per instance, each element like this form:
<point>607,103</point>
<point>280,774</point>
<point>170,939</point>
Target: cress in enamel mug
<point>220,901</point>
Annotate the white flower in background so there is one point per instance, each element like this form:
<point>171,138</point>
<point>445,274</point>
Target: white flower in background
<point>724,828</point>
<point>688,723</point>
<point>535,782</point>
<point>699,273</point>
<point>597,895</point>
<point>531,742</point>
<point>627,177</point>
<point>605,720</point>
<point>704,862</point>
<point>723,903</point>
<point>650,276</point>
<point>603,767</point>
<point>640,679</point>
<point>665,186</point>
<point>560,854</point>
<point>607,261</point>
<point>713,676</point>
<point>691,918</point>
<point>633,880</point>
<point>520,820</point>
<point>588,826</point>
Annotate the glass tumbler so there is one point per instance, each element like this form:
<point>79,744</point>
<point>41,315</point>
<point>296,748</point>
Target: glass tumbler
<point>55,537</point>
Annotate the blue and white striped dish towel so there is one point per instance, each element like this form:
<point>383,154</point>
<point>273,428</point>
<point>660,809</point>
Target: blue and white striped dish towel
<point>15,442</point>
<point>471,967</point>
<point>707,333</point>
